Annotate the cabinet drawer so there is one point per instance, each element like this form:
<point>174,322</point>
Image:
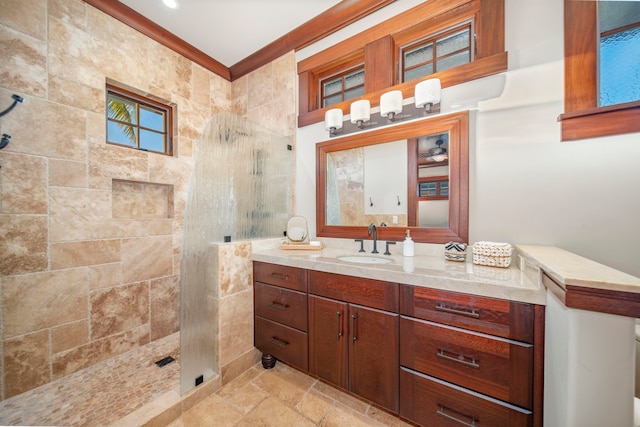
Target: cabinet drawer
<point>286,344</point>
<point>280,275</point>
<point>434,403</point>
<point>497,367</point>
<point>507,319</point>
<point>281,305</point>
<point>368,292</point>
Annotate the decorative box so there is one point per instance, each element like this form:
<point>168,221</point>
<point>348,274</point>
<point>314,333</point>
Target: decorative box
<point>492,254</point>
<point>454,251</point>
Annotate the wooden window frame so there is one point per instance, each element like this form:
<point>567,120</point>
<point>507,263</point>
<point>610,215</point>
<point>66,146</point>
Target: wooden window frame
<point>437,180</point>
<point>582,117</point>
<point>379,47</point>
<point>146,101</point>
<point>342,69</point>
<point>433,39</point>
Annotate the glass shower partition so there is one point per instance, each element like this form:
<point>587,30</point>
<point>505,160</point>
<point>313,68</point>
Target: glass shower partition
<point>240,188</point>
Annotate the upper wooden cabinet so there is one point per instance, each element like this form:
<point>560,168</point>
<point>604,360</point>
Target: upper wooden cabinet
<point>380,50</point>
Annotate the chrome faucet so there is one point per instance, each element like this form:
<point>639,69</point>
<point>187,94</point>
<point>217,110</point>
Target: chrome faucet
<point>372,227</point>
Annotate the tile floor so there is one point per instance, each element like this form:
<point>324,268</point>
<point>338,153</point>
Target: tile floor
<point>101,394</point>
<point>282,397</point>
<point>125,390</point>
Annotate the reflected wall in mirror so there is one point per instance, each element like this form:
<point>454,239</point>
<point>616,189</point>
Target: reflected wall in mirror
<point>409,176</point>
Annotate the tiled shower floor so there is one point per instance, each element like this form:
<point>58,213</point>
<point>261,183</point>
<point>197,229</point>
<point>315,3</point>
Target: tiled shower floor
<point>101,394</point>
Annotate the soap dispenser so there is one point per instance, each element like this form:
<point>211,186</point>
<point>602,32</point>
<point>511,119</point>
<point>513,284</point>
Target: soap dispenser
<point>408,245</point>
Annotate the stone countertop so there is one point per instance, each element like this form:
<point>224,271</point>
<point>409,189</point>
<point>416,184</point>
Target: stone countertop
<point>570,269</point>
<point>428,268</point>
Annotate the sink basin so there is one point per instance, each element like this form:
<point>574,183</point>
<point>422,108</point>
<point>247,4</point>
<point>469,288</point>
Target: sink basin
<point>365,259</point>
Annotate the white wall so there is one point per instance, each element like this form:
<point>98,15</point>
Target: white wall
<point>527,187</point>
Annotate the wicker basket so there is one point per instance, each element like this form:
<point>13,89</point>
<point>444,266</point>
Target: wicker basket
<point>492,254</point>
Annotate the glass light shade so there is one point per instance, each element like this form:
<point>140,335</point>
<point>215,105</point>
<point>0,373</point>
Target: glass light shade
<point>391,103</point>
<point>333,119</point>
<point>360,111</point>
<point>427,92</point>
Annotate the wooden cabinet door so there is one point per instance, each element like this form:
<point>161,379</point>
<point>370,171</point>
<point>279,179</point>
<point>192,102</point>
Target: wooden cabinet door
<point>373,355</point>
<point>328,340</point>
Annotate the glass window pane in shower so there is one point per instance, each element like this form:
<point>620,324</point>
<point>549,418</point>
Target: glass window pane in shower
<point>120,133</point>
<point>120,109</point>
<point>152,141</point>
<point>152,118</point>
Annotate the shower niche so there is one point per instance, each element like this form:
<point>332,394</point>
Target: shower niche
<point>240,189</point>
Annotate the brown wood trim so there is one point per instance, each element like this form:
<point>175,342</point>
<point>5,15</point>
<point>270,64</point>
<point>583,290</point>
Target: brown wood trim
<point>580,55</point>
<point>479,68</point>
<point>604,121</point>
<point>392,25</point>
<point>593,299</point>
<point>538,364</point>
<point>335,18</point>
<point>138,22</point>
<point>328,22</point>
<point>603,301</point>
<point>412,182</point>
<point>378,52</point>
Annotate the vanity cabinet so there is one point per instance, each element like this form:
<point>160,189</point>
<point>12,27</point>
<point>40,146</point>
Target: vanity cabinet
<point>280,307</point>
<point>435,357</point>
<point>353,335</point>
<point>469,360</point>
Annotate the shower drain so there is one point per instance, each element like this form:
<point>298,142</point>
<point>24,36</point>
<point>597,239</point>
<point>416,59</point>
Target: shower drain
<point>165,361</point>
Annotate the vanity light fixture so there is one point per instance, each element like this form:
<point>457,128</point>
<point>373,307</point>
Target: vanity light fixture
<point>333,120</point>
<point>427,93</point>
<point>391,104</point>
<point>360,112</point>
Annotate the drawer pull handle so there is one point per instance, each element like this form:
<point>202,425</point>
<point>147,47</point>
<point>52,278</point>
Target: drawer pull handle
<point>278,305</point>
<point>339,315</point>
<point>280,276</point>
<point>279,342</point>
<point>442,413</point>
<point>459,359</point>
<point>353,327</point>
<point>472,313</point>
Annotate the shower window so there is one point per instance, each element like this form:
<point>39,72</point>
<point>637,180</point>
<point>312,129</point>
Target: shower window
<point>138,122</point>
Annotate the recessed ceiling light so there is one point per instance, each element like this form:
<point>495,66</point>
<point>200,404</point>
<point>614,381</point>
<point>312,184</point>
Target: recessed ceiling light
<point>170,3</point>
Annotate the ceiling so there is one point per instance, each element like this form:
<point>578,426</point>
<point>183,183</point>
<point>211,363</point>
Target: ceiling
<point>230,30</point>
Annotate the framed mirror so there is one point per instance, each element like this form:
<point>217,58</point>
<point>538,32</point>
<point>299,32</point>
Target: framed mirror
<point>408,176</point>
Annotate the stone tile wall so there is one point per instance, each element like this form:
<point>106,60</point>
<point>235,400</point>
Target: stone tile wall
<point>90,233</point>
